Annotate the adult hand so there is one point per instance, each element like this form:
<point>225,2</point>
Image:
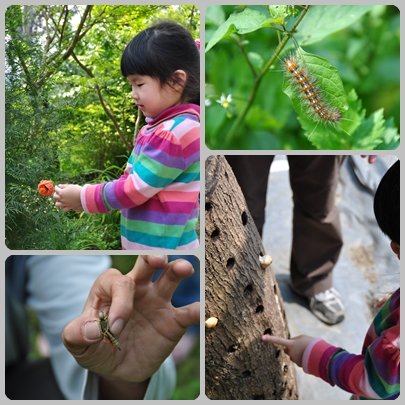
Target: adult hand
<point>294,347</point>
<point>140,315</point>
<point>67,197</point>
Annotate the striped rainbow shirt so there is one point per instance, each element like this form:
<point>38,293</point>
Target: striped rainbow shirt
<point>159,190</point>
<point>373,374</point>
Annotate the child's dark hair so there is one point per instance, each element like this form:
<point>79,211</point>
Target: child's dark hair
<point>386,203</point>
<point>160,50</point>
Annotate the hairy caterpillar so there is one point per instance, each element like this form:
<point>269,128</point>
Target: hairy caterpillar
<point>310,92</point>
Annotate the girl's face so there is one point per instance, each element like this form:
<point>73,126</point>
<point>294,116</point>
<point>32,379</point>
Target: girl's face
<point>150,97</point>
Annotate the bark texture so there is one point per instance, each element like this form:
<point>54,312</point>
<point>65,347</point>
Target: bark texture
<point>243,296</point>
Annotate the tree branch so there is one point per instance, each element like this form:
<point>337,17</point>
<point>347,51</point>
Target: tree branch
<point>77,37</point>
<point>106,109</point>
<point>62,32</point>
<point>239,120</point>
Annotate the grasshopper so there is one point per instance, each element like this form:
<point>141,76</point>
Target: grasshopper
<point>105,329</point>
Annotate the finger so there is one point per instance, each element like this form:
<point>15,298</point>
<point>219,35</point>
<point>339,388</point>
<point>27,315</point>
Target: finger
<point>112,292</point>
<point>80,333</point>
<point>172,276</point>
<point>372,159</point>
<point>145,266</point>
<point>188,315</point>
<point>276,340</point>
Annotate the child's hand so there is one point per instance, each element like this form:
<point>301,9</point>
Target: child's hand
<point>67,197</point>
<point>294,347</point>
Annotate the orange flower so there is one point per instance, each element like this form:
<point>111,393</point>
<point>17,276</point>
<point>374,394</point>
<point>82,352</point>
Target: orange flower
<point>46,188</point>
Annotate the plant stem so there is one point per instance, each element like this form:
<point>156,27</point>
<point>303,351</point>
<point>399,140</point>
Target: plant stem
<point>258,79</point>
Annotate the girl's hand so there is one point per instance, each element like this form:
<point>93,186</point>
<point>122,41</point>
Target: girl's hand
<point>141,317</point>
<point>67,197</point>
<point>294,347</point>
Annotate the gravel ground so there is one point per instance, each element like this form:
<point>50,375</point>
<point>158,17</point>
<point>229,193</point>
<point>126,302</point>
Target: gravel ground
<point>366,270</point>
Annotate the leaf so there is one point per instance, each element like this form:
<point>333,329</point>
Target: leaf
<point>325,78</point>
<point>372,132</point>
<point>248,20</point>
<point>326,81</point>
<point>321,21</point>
<point>368,134</point>
<point>215,15</point>
<point>390,136</point>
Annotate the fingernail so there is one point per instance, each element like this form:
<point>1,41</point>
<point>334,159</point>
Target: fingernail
<point>91,330</point>
<point>117,326</point>
<point>161,257</point>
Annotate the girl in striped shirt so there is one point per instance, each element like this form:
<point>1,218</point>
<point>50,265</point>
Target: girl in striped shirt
<point>375,373</point>
<point>158,192</point>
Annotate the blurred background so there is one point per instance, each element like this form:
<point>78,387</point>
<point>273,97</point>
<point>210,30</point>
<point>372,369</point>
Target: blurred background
<point>362,42</point>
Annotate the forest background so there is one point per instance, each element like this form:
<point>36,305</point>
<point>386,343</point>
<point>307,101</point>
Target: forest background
<point>69,114</point>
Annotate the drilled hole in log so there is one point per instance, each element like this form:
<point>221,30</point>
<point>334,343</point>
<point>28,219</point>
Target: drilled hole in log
<point>208,206</point>
<point>215,234</point>
<point>233,348</point>
<point>230,263</point>
<point>244,218</point>
<point>285,368</point>
<point>275,289</point>
<point>258,396</point>
<point>268,331</point>
<point>248,289</point>
<point>278,352</point>
<point>259,309</point>
<point>246,373</point>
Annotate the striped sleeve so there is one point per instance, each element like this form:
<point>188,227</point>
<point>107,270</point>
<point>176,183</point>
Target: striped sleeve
<point>167,157</point>
<point>374,375</point>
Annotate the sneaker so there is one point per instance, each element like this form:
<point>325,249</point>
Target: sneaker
<point>327,306</point>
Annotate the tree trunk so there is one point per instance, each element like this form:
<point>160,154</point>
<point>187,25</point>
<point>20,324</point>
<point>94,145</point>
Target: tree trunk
<point>243,296</point>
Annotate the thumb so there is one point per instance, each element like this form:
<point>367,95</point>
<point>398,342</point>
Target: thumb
<point>276,340</point>
<point>80,333</point>
<point>188,315</point>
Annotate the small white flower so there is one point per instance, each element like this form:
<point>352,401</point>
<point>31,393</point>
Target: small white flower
<point>207,102</point>
<point>225,101</point>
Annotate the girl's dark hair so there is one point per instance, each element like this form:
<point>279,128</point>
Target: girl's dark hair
<point>386,203</point>
<point>160,50</point>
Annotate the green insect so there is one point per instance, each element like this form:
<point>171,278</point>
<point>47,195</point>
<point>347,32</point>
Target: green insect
<point>105,329</point>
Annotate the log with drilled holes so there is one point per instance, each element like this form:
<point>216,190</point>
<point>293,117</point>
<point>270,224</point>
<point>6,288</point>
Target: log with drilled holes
<point>242,300</point>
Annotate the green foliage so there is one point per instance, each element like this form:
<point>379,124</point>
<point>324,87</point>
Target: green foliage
<point>69,115</point>
<point>188,376</point>
<point>345,56</point>
<point>322,21</point>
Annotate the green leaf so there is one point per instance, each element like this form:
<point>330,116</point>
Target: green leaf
<point>322,21</point>
<point>326,81</point>
<point>390,136</point>
<point>370,133</point>
<point>242,23</point>
<point>215,15</point>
